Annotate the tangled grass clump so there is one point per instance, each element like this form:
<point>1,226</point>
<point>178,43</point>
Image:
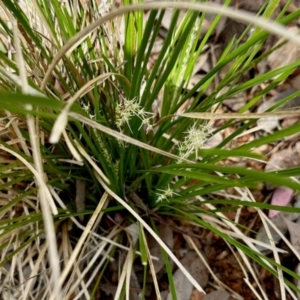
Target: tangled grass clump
<point>90,167</point>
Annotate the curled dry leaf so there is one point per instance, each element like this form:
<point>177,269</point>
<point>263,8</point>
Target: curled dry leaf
<point>197,269</point>
<point>167,18</point>
<point>268,124</point>
<point>133,230</point>
<point>214,141</point>
<point>286,54</point>
<point>294,230</point>
<point>280,221</point>
<point>295,102</point>
<point>183,286</point>
<point>283,221</point>
<point>284,159</point>
<point>262,233</point>
<point>234,102</point>
<point>217,295</point>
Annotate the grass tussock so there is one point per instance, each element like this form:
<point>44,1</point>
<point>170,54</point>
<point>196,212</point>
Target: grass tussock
<point>103,140</point>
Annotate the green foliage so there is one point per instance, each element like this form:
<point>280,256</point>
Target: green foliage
<point>123,99</point>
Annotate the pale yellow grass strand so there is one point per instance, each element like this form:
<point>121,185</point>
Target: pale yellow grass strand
<point>227,223</point>
<point>19,58</point>
<point>237,116</point>
<point>250,285</point>
<point>15,259</point>
<point>43,191</point>
<point>257,281</point>
<point>264,217</point>
<point>282,284</point>
<point>71,161</point>
<point>251,240</point>
<point>121,136</point>
<point>9,274</point>
<point>249,266</point>
<point>91,265</point>
<point>122,278</point>
<point>22,80</point>
<point>81,287</point>
<point>34,272</point>
<point>81,241</point>
<point>43,23</point>
<point>96,269</point>
<point>230,12</point>
<point>86,245</point>
<point>246,195</point>
<point>65,243</point>
<point>128,272</point>
<point>248,242</point>
<point>235,229</point>
<point>252,288</point>
<point>276,256</point>
<point>59,126</point>
<point>62,120</point>
<point>83,228</point>
<point>282,236</point>
<point>151,266</point>
<point>72,149</point>
<point>17,130</point>
<point>17,81</point>
<point>93,164</point>
<point>238,235</point>
<point>41,184</point>
<point>287,242</point>
<point>155,236</point>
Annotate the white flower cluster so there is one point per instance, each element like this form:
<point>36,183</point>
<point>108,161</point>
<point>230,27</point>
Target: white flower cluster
<point>194,141</point>
<point>129,108</point>
<point>167,193</point>
<point>87,108</point>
